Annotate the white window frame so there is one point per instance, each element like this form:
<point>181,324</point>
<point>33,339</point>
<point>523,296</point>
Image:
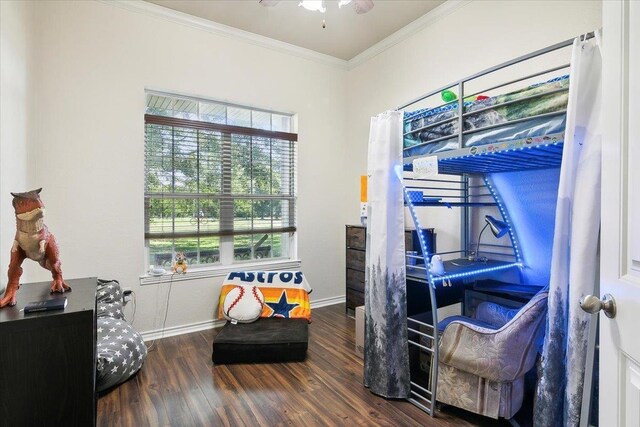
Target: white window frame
<point>227,262</point>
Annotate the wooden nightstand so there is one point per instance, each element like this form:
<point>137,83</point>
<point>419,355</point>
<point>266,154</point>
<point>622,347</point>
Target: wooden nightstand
<point>356,255</point>
<point>356,239</point>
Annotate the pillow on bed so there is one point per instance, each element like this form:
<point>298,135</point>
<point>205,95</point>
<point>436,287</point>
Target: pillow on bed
<point>243,304</point>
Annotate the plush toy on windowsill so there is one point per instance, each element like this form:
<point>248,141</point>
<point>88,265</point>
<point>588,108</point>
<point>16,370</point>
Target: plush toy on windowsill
<point>32,241</point>
<point>180,266</point>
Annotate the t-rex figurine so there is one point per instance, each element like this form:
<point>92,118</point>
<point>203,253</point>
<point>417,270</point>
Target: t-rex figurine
<point>32,241</point>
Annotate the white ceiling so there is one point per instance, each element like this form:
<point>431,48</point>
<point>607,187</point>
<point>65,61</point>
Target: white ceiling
<point>346,34</point>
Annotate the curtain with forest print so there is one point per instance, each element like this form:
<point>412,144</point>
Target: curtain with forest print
<point>386,357</point>
<point>575,260</point>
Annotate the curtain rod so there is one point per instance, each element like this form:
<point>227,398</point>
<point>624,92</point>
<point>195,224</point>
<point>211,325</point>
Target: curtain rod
<point>523,58</point>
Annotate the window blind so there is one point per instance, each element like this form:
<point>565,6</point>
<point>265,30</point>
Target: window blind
<point>206,179</point>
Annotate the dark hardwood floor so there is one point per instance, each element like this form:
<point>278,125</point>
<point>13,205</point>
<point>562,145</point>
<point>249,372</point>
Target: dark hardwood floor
<point>178,385</point>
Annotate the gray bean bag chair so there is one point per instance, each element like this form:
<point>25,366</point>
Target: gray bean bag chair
<point>120,349</point>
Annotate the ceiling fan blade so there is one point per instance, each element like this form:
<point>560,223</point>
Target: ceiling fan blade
<point>362,6</point>
<point>268,3</point>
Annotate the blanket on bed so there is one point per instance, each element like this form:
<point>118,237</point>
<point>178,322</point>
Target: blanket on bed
<point>424,125</point>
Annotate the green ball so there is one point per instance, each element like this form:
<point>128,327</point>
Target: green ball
<point>448,96</point>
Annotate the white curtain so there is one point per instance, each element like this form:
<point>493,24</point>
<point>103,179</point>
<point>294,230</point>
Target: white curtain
<point>386,357</point>
<point>575,245</point>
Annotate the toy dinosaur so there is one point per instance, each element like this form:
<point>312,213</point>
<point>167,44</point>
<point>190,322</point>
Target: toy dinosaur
<point>32,241</point>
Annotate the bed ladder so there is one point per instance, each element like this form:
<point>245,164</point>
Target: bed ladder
<point>423,396</point>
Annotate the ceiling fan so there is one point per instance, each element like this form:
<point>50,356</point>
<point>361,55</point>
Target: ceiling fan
<point>360,6</point>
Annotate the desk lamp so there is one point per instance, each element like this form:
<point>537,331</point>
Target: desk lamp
<point>498,228</point>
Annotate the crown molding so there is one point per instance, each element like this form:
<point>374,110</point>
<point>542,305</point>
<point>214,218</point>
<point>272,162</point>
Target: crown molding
<point>407,31</point>
<point>160,12</point>
<point>167,14</point>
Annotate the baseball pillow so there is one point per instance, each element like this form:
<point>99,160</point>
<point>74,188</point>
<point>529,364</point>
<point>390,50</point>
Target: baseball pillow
<point>243,304</point>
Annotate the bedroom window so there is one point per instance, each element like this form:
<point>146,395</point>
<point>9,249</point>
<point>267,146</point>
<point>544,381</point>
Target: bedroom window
<point>219,182</point>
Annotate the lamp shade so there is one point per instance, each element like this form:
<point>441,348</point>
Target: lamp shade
<point>498,228</point>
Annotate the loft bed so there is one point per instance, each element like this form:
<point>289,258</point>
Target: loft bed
<point>513,119</point>
<point>474,137</point>
<point>480,134</point>
<point>504,127</point>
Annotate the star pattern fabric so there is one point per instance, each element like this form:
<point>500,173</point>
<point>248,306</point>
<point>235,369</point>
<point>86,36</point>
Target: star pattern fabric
<point>282,308</point>
<point>121,350</point>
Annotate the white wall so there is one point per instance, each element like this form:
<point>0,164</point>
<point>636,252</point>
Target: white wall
<point>73,80</point>
<point>471,38</point>
<point>16,38</point>
<point>94,61</point>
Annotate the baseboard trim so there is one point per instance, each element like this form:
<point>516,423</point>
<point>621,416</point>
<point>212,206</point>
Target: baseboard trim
<point>324,302</point>
<point>182,329</point>
<point>216,323</point>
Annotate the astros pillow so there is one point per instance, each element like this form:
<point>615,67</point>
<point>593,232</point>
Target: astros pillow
<point>243,304</point>
<point>285,293</point>
<point>275,279</point>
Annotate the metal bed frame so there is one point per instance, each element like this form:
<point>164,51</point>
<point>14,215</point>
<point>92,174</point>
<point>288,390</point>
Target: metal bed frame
<point>465,162</point>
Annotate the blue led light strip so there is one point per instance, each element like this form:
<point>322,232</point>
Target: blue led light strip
<point>505,216</point>
<point>420,231</point>
<point>434,279</point>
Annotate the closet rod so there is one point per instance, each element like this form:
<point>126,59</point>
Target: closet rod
<point>498,67</point>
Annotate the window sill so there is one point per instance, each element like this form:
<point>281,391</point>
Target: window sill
<point>219,271</point>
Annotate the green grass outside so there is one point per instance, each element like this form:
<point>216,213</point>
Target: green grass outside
<point>208,244</point>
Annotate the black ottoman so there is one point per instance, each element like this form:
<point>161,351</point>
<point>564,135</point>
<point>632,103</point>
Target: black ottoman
<point>267,340</point>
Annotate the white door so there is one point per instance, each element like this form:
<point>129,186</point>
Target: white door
<point>620,238</point>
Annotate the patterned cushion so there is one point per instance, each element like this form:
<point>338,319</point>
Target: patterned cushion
<point>109,299</point>
<point>120,349</point>
<point>289,303</point>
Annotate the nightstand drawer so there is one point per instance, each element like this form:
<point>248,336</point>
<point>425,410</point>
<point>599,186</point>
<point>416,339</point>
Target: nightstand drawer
<point>354,299</point>
<point>355,280</point>
<point>356,237</point>
<point>356,259</point>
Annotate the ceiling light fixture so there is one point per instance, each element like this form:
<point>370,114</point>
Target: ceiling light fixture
<point>360,6</point>
<point>313,5</point>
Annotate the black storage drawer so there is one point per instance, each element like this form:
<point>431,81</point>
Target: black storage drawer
<point>356,237</point>
<point>356,259</point>
<point>355,280</point>
<point>356,244</point>
<point>354,299</point>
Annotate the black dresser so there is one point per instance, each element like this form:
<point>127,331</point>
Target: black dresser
<point>48,359</point>
<point>356,238</point>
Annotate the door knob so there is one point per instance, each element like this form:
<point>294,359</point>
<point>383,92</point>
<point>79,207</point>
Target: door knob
<point>592,304</point>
